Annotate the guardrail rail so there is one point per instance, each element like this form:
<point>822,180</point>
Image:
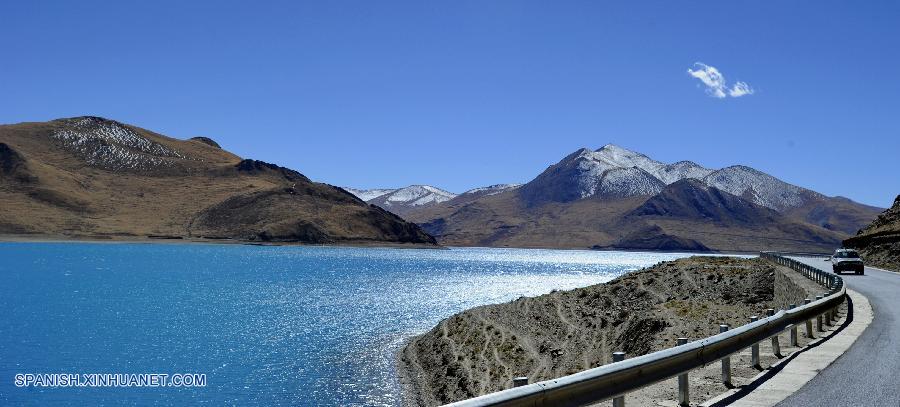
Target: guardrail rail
<point>614,380</point>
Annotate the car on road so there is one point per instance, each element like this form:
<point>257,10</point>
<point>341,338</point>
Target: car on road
<point>847,260</point>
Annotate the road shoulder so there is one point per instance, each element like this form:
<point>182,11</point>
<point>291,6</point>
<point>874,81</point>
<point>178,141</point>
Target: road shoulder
<point>790,374</point>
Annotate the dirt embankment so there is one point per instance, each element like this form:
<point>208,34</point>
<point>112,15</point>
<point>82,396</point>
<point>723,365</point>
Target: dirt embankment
<point>880,241</point>
<point>480,350</point>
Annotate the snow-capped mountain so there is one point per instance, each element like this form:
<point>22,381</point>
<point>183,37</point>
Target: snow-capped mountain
<point>615,172</point>
<point>616,198</point>
<point>369,194</point>
<point>613,156</point>
<point>417,197</point>
<point>400,200</point>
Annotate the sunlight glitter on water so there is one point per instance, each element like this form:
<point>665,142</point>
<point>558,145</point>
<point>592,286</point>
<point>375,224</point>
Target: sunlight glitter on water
<point>269,325</point>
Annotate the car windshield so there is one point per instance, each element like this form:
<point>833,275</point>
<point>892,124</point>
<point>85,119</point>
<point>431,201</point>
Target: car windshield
<point>847,254</point>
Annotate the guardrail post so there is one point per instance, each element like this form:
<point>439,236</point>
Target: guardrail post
<point>819,318</point>
<point>829,320</point>
<point>619,401</point>
<point>754,349</point>
<point>520,381</point>
<point>793,329</point>
<point>776,347</point>
<point>809,329</point>
<point>684,397</point>
<point>726,362</point>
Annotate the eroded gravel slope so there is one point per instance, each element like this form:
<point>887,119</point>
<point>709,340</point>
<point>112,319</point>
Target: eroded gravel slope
<point>480,350</point>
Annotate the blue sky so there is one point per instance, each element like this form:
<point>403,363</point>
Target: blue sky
<point>460,94</point>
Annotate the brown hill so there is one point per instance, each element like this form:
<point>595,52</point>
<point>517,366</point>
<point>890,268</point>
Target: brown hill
<point>834,213</point>
<point>89,177</point>
<point>685,215</point>
<point>880,241</point>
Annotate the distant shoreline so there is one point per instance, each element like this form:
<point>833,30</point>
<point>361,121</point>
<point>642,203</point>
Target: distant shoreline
<point>119,239</point>
<point>125,239</point>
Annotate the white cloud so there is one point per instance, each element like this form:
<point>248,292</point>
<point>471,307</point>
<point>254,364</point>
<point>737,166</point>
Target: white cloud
<point>740,89</point>
<point>715,82</point>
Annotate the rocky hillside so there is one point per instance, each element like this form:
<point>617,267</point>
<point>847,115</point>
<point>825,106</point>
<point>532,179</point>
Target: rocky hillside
<point>714,213</point>
<point>476,193</point>
<point>93,178</point>
<point>480,350</point>
<point>616,198</point>
<point>879,242</point>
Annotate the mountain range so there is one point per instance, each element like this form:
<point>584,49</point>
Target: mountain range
<point>90,177</point>
<point>616,198</point>
<point>94,178</point>
<point>404,200</point>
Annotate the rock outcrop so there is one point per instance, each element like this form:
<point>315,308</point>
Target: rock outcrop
<point>879,243</point>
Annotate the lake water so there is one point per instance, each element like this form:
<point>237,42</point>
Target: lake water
<point>267,325</point>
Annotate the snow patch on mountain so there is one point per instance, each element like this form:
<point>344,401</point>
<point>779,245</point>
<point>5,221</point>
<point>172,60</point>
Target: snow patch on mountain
<point>672,173</point>
<point>758,187</point>
<point>491,189</point>
<point>417,195</point>
<point>667,173</point>
<point>112,145</point>
<point>623,182</point>
<point>369,194</point>
<point>613,171</point>
<point>591,168</point>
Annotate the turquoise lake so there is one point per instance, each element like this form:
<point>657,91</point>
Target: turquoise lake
<point>267,325</point>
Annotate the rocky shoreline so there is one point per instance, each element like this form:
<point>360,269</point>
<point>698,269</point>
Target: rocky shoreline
<point>480,350</point>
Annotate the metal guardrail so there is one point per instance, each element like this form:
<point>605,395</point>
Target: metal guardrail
<point>614,380</point>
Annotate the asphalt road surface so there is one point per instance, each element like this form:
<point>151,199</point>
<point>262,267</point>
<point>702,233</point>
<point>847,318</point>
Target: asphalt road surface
<point>868,374</point>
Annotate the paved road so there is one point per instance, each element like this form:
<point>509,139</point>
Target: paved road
<point>869,373</point>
